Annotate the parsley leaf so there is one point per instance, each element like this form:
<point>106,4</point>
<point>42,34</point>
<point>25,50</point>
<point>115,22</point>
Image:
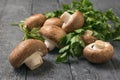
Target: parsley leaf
<point>29,34</point>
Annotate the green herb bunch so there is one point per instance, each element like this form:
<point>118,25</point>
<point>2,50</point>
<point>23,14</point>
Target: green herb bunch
<point>105,26</point>
<point>73,45</point>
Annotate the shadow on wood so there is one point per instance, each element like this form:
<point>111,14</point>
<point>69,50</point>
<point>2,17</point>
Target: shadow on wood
<point>43,69</point>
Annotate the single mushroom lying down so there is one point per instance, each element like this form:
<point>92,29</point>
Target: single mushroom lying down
<point>88,37</point>
<point>98,52</point>
<point>72,22</point>
<point>29,52</point>
<point>36,20</point>
<point>52,35</point>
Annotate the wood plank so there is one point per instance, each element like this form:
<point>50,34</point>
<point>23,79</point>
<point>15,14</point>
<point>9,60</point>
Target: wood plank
<point>14,11</point>
<point>49,70</point>
<point>2,6</point>
<point>61,2</point>
<point>105,4</point>
<point>116,58</point>
<point>82,69</point>
<point>42,6</point>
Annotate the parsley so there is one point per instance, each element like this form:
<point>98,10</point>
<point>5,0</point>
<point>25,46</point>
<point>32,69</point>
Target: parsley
<point>105,26</point>
<point>29,34</point>
<point>73,45</point>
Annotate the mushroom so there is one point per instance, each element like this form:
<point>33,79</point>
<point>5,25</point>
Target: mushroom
<point>52,35</point>
<point>98,52</point>
<point>54,21</point>
<point>29,52</point>
<point>88,37</point>
<point>72,22</point>
<point>36,21</point>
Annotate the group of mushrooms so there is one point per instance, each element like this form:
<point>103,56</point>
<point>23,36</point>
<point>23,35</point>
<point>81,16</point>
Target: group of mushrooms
<point>31,51</point>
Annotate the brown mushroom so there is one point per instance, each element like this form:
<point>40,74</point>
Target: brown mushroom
<point>54,21</point>
<point>72,22</point>
<point>29,52</point>
<point>36,21</point>
<point>52,35</point>
<point>98,52</point>
<point>88,37</point>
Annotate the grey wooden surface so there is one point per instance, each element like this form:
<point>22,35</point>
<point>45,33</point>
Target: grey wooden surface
<point>12,11</point>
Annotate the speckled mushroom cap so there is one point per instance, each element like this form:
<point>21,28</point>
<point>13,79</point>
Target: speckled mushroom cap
<point>98,52</point>
<point>36,20</point>
<point>54,21</point>
<point>75,21</point>
<point>24,50</point>
<point>52,32</point>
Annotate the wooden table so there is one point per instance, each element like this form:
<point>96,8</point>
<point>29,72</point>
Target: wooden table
<point>12,11</point>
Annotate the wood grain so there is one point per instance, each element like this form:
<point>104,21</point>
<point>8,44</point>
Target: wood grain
<point>13,11</point>
<point>82,69</point>
<point>49,70</point>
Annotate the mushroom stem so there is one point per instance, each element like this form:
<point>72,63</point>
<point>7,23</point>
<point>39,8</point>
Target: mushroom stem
<point>65,17</point>
<point>34,61</point>
<point>100,44</point>
<point>50,44</point>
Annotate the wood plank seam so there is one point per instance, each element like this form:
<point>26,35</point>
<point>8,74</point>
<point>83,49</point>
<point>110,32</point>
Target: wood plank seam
<point>69,63</point>
<point>114,71</point>
<point>58,3</point>
<point>70,68</point>
<point>31,13</point>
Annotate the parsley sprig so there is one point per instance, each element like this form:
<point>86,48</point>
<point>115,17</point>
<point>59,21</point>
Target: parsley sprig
<point>73,45</point>
<point>29,34</point>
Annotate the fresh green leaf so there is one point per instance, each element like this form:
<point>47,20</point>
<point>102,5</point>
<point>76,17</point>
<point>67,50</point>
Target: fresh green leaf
<point>64,49</point>
<point>76,49</point>
<point>62,58</point>
<point>33,34</point>
<point>65,7</point>
<point>117,38</point>
<point>79,31</point>
<point>63,41</point>
<point>56,13</point>
<point>69,37</point>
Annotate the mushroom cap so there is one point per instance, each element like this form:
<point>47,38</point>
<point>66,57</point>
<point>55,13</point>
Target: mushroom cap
<point>36,20</point>
<point>52,32</point>
<point>88,38</point>
<point>54,21</point>
<point>75,21</point>
<point>24,50</point>
<point>98,52</point>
